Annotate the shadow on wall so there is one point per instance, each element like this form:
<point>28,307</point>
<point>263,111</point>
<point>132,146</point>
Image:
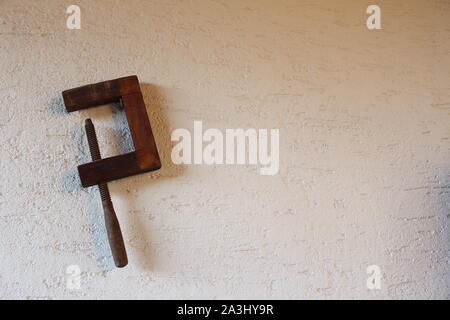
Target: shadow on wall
<point>138,220</point>
<point>122,143</point>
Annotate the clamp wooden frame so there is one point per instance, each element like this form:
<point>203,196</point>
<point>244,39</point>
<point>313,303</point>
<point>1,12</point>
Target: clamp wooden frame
<point>145,157</point>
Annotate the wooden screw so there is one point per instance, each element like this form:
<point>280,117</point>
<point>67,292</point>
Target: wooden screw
<point>112,224</point>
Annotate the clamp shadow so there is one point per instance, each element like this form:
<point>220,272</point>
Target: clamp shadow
<point>155,102</point>
<point>120,141</point>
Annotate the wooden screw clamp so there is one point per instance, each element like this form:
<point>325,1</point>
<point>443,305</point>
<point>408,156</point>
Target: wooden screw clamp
<point>98,172</point>
<point>112,224</point>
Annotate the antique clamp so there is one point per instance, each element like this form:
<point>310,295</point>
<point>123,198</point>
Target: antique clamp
<point>98,172</point>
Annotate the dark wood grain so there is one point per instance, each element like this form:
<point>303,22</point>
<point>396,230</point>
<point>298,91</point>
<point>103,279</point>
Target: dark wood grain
<point>100,93</point>
<point>116,167</point>
<point>114,233</point>
<point>145,158</point>
<point>111,222</point>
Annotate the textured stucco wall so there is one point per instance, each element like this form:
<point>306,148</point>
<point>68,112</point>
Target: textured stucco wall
<point>364,124</point>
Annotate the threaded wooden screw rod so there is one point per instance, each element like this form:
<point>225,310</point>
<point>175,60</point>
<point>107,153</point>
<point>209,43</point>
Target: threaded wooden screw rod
<point>112,224</point>
<point>144,158</point>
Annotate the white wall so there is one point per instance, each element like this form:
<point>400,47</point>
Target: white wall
<point>364,124</point>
